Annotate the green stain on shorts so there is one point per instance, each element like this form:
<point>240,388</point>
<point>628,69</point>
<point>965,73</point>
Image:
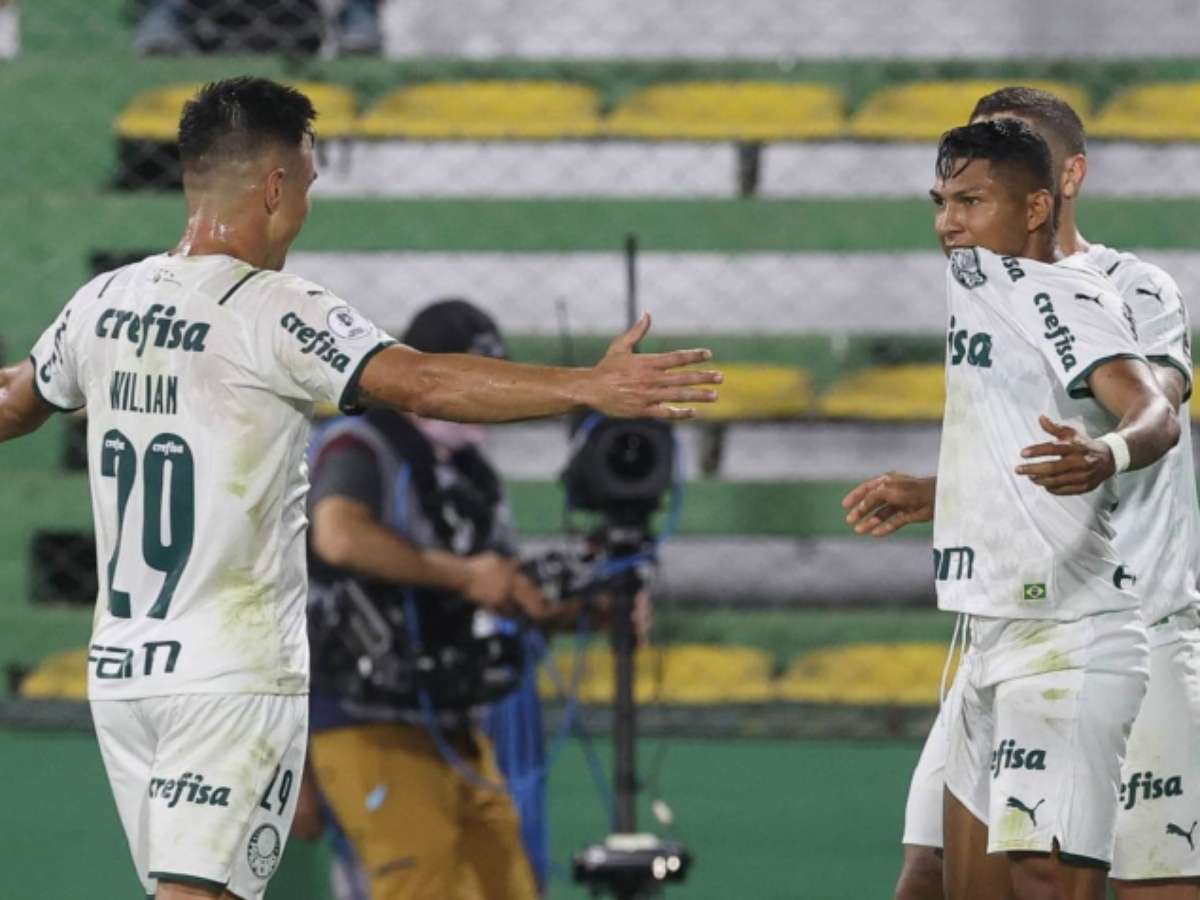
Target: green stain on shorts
<point>1056,694</point>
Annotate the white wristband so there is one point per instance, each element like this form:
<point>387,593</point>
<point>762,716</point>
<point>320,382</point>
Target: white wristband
<point>1119,448</point>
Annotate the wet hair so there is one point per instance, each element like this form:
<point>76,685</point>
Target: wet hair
<point>1013,148</point>
<point>238,117</point>
<point>1052,114</point>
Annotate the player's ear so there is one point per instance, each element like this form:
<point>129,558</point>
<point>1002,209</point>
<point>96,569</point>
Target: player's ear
<point>1039,210</point>
<point>274,189</point>
<point>1074,172</point>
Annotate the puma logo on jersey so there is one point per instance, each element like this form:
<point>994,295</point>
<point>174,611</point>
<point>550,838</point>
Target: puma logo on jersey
<point>1089,299</point>
<point>1172,828</point>
<point>1009,756</point>
<point>1157,295</point>
<point>976,349</point>
<point>1150,788</point>
<point>1014,803</point>
<point>158,324</point>
<point>1057,332</point>
<point>189,787</point>
<point>319,343</point>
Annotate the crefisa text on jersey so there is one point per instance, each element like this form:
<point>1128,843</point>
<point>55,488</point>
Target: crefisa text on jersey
<point>142,393</point>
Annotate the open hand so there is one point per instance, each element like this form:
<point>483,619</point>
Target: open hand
<point>889,502</point>
<point>643,385</point>
<point>1079,464</point>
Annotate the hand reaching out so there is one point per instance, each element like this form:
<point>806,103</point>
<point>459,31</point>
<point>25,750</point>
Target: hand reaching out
<point>887,503</point>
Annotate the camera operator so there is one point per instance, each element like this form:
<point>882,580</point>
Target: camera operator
<point>408,516</point>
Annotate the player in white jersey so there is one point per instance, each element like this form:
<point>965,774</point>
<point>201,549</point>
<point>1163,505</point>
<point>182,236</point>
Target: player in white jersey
<point>1158,535</point>
<point>1054,669</point>
<point>200,370</point>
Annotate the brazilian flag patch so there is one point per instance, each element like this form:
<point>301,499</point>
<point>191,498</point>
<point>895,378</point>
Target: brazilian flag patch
<point>1035,591</point>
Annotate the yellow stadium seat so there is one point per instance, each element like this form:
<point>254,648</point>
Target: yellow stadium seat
<point>906,674</point>
<point>61,676</point>
<point>730,111</point>
<point>760,392</point>
<point>484,110</point>
<point>153,115</point>
<point>923,110</point>
<point>1162,111</point>
<point>685,673</point>
<point>915,392</point>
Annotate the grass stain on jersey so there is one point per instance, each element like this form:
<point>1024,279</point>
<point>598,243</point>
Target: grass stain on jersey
<point>1014,829</point>
<point>1052,661</point>
<point>248,615</point>
<point>1056,694</point>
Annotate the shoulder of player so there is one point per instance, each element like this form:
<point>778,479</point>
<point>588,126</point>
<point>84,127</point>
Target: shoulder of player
<point>1143,283</point>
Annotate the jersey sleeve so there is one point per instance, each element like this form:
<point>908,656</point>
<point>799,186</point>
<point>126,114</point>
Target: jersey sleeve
<point>56,376</point>
<point>1079,322</point>
<point>310,345</point>
<point>1160,319</point>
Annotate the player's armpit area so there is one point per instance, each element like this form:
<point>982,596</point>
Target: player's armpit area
<point>22,408</point>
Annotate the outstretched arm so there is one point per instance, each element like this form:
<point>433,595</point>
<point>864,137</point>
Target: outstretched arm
<point>1129,390</point>
<point>889,502</point>
<point>470,388</point>
<point>22,410</point>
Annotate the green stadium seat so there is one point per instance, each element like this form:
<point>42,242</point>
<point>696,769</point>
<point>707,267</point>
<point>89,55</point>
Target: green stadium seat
<point>1162,111</point>
<point>153,115</point>
<point>902,674</point>
<point>730,111</point>
<point>913,392</point>
<point>923,110</point>
<point>484,110</point>
<point>683,673</point>
<point>760,392</point>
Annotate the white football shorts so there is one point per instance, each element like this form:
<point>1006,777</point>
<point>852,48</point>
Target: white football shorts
<point>923,809</point>
<point>1038,727</point>
<point>1157,834</point>
<point>206,784</point>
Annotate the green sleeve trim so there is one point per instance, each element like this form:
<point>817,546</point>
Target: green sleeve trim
<point>1174,364</point>
<point>37,389</point>
<point>348,403</point>
<point>176,878</point>
<point>1078,389</point>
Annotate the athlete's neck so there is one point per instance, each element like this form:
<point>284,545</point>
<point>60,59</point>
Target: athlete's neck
<point>1070,241</point>
<point>214,228</point>
<point>1041,245</point>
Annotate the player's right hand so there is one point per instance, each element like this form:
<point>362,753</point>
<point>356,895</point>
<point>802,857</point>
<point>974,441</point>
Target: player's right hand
<point>529,598</point>
<point>887,503</point>
<point>489,581</point>
<point>632,385</point>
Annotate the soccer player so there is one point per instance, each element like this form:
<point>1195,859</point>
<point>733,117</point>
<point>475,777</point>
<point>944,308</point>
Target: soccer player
<point>1054,669</point>
<point>1157,526</point>
<point>200,369</point>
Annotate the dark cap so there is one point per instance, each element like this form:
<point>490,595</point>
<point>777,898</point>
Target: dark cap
<point>455,326</point>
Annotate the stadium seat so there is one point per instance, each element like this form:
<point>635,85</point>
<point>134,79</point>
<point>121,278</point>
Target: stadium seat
<point>484,110</point>
<point>905,674</point>
<point>1162,111</point>
<point>60,676</point>
<point>923,110</point>
<point>730,111</point>
<point>760,392</point>
<point>153,115</point>
<point>909,392</point>
<point>684,673</point>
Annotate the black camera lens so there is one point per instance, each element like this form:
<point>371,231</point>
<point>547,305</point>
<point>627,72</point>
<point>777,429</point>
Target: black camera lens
<point>631,457</point>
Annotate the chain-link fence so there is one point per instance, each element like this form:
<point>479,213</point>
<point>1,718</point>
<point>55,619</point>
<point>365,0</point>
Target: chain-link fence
<point>770,162</point>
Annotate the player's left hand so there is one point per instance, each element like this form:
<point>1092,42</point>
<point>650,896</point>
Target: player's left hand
<point>1078,465</point>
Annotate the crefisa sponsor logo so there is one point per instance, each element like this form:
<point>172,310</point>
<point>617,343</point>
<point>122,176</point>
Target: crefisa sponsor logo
<point>1145,786</point>
<point>1010,756</point>
<point>319,343</point>
<point>188,788</point>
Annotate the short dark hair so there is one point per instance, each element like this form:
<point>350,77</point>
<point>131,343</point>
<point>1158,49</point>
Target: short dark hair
<point>237,117</point>
<point>1008,144</point>
<point>1052,113</point>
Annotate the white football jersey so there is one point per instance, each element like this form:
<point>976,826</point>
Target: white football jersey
<point>1157,518</point>
<point>200,376</point>
<point>1023,338</point>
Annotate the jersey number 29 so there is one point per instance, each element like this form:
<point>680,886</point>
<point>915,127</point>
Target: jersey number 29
<point>119,460</point>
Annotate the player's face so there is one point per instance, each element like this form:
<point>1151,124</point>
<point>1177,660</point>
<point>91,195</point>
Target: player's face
<point>974,208</point>
<point>298,172</point>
